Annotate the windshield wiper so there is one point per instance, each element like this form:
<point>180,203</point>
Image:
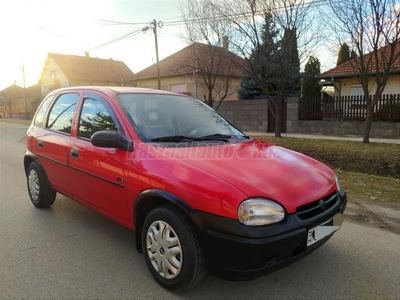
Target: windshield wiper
<point>215,137</point>
<point>220,136</point>
<point>183,138</point>
<point>173,138</point>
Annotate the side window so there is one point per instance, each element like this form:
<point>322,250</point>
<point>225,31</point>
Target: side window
<point>62,113</point>
<point>42,111</point>
<point>96,115</point>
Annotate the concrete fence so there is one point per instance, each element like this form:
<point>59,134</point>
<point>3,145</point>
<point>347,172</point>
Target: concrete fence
<point>247,115</point>
<point>336,127</point>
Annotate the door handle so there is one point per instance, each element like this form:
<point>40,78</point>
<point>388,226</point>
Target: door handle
<point>74,152</point>
<point>40,144</point>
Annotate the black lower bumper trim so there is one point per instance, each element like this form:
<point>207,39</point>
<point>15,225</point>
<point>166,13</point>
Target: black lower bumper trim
<point>238,252</point>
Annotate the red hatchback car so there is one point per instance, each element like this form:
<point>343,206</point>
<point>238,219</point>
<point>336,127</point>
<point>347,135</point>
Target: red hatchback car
<point>199,193</point>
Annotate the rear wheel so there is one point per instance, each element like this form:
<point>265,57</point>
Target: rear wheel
<point>172,250</point>
<point>40,192</point>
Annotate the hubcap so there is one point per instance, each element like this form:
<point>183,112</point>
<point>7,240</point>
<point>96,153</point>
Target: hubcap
<point>164,249</point>
<point>33,182</point>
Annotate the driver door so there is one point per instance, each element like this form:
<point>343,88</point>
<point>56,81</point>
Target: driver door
<point>99,175</point>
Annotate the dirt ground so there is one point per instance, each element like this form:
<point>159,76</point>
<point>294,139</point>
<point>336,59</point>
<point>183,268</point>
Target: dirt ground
<point>376,213</point>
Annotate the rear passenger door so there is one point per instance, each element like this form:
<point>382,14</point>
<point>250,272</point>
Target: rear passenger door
<point>99,175</point>
<point>53,140</point>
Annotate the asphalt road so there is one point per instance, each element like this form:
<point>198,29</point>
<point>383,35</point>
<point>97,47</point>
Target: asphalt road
<point>70,252</point>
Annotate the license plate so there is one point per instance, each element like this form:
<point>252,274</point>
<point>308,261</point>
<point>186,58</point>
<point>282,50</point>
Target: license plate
<point>318,233</point>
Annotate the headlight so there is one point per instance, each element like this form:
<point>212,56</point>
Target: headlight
<point>337,183</point>
<point>259,211</point>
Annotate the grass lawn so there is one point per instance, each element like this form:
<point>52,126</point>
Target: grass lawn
<point>370,186</point>
<point>369,171</point>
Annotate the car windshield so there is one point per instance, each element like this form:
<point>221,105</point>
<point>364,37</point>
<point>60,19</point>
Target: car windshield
<point>174,118</point>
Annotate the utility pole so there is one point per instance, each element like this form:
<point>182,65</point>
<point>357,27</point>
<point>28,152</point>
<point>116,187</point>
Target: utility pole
<point>23,74</point>
<point>158,62</point>
<point>154,24</point>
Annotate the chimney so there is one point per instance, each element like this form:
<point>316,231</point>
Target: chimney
<point>225,42</point>
<point>86,54</point>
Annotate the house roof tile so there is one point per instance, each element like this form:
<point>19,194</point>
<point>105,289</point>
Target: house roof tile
<point>186,61</point>
<point>90,68</point>
<point>347,69</point>
<point>13,91</point>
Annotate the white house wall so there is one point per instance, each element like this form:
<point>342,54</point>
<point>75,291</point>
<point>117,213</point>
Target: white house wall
<point>46,79</point>
<point>392,86</point>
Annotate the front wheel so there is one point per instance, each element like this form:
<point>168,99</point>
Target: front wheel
<point>172,250</point>
<point>40,192</point>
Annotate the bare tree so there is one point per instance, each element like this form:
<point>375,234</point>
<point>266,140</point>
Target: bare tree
<point>213,64</point>
<point>268,61</point>
<point>372,28</point>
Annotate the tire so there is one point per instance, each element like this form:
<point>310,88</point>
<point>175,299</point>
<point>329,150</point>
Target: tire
<point>172,250</point>
<point>39,190</point>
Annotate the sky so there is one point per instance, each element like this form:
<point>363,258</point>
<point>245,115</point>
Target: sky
<point>30,29</point>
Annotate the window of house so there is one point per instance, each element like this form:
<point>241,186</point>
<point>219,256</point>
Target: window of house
<point>357,93</point>
<point>62,113</point>
<point>53,74</point>
<point>96,116</point>
<point>356,90</point>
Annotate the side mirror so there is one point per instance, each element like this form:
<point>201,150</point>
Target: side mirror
<point>111,139</point>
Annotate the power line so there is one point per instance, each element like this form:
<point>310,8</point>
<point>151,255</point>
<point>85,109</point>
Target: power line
<point>111,22</point>
<point>120,38</point>
<point>315,3</point>
<point>166,23</point>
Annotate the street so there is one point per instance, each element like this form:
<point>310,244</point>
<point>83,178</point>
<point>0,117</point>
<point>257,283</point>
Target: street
<point>71,252</point>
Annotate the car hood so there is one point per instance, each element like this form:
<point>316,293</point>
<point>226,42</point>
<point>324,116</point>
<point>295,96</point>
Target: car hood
<point>264,170</point>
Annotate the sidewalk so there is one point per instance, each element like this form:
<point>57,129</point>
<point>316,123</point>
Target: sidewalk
<point>325,137</point>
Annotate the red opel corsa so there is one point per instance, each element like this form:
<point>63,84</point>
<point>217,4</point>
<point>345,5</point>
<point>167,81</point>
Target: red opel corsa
<point>199,193</point>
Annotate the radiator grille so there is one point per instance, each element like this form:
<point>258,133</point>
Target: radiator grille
<point>315,208</point>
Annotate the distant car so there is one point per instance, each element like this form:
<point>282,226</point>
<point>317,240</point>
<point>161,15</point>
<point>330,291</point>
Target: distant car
<point>199,193</point>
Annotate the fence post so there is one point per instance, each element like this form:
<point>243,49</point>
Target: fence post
<point>292,113</point>
<point>391,119</point>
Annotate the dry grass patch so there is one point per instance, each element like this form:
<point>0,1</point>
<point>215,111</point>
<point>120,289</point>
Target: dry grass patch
<point>371,186</point>
<point>374,158</point>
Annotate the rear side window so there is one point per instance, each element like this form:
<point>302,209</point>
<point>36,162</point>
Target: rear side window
<point>96,115</point>
<point>42,111</point>
<point>62,113</point>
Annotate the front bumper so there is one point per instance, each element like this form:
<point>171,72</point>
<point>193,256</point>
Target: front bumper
<point>238,252</point>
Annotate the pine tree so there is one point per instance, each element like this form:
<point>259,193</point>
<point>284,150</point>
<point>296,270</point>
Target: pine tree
<point>344,54</point>
<point>249,89</point>
<point>311,87</point>
<point>262,62</point>
<point>291,64</point>
<point>353,54</point>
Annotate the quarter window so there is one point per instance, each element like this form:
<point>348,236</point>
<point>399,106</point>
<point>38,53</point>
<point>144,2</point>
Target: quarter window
<point>96,116</point>
<point>42,111</point>
<point>62,113</point>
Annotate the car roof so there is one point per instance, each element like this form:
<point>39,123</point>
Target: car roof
<point>118,90</point>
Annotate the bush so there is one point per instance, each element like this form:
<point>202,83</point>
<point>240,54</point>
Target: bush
<point>385,113</point>
<point>373,158</point>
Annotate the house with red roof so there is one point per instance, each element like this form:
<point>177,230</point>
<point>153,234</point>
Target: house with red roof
<point>62,70</point>
<point>344,78</point>
<point>185,71</point>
